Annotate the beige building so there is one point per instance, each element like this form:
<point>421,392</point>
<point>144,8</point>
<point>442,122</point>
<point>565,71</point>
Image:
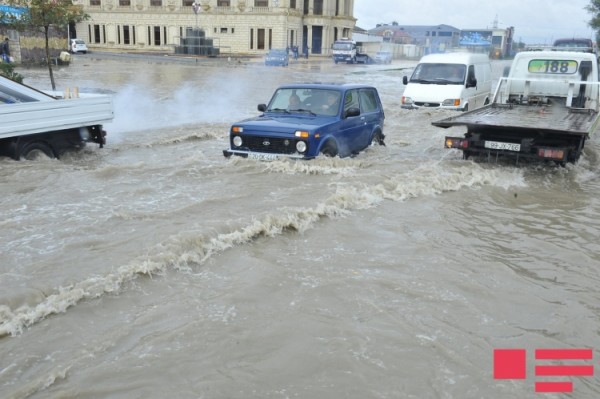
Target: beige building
<point>233,26</point>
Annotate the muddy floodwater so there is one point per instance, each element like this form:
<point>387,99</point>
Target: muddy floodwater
<point>157,268</point>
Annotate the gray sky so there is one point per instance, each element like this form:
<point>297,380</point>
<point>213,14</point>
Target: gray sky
<point>535,22</point>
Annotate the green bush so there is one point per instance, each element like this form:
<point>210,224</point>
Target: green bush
<point>8,71</point>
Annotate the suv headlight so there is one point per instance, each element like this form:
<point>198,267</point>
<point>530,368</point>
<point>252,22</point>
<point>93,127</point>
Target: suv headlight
<point>237,141</point>
<point>301,146</point>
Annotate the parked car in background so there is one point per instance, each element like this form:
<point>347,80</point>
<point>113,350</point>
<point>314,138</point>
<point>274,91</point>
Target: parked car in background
<point>278,57</point>
<point>78,46</point>
<point>383,57</point>
<point>306,120</point>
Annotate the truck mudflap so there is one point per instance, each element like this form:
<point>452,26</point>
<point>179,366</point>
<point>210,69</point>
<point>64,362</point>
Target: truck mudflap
<point>524,149</point>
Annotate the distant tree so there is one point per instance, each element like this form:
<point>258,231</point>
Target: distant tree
<point>594,9</point>
<point>40,15</point>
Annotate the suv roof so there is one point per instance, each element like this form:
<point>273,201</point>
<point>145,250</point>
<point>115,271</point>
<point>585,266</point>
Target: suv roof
<point>332,86</point>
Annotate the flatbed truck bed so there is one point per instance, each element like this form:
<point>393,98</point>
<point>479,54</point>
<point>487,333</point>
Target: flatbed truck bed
<point>551,118</point>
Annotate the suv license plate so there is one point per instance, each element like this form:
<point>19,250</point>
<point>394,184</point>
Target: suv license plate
<point>263,157</point>
<point>496,145</point>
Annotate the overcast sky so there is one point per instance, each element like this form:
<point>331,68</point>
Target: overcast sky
<point>535,22</point>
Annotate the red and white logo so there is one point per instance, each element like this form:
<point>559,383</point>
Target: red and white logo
<point>511,364</point>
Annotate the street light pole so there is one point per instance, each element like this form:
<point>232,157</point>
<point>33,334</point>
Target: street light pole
<point>196,7</point>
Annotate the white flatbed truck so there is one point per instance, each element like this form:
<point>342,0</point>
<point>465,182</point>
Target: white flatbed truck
<point>34,122</point>
<point>546,108</point>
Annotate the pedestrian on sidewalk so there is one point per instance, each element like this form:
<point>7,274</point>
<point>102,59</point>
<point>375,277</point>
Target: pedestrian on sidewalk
<point>5,51</point>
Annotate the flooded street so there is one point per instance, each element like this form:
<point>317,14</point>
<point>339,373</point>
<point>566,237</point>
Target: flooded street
<point>155,267</point>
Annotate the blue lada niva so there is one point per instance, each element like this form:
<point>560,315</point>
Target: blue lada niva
<point>306,120</point>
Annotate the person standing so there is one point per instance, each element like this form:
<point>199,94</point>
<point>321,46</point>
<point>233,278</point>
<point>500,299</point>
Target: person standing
<point>5,50</point>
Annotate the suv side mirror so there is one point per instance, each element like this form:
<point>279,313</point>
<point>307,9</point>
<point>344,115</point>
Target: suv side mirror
<point>352,112</point>
<point>262,107</point>
<point>405,80</point>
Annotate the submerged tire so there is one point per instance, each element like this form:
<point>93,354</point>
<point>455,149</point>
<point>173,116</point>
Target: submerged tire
<point>378,138</point>
<point>35,150</point>
<point>329,149</point>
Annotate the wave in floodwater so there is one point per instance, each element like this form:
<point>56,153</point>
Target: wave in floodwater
<point>187,253</point>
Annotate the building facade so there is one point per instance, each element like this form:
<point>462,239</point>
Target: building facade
<point>234,26</point>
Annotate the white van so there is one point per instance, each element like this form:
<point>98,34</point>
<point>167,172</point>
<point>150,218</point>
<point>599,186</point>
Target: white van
<point>458,81</point>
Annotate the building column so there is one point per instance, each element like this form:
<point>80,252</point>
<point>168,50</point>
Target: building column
<point>326,39</point>
<point>309,36</point>
<point>342,7</point>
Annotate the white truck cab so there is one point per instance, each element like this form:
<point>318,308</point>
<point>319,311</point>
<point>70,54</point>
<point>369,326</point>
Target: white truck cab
<point>540,75</point>
<point>459,81</point>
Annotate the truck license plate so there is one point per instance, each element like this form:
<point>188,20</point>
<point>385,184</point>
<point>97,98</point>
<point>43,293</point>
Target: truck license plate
<point>496,145</point>
<point>263,157</point>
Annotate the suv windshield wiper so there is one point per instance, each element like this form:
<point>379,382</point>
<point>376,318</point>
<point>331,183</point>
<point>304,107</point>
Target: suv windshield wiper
<point>303,110</point>
<point>279,110</point>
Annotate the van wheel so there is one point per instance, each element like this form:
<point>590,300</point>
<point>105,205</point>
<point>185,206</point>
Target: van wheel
<point>329,149</point>
<point>35,150</point>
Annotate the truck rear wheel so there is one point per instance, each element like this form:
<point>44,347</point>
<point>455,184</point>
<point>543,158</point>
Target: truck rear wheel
<point>35,150</point>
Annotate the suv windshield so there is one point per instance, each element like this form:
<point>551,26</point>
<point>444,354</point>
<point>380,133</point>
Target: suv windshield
<point>303,100</point>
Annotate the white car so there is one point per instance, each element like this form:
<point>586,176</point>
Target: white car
<point>78,46</point>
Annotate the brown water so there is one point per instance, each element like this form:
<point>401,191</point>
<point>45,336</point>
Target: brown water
<point>156,268</point>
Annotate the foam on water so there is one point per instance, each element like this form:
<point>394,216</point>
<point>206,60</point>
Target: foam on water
<point>188,253</point>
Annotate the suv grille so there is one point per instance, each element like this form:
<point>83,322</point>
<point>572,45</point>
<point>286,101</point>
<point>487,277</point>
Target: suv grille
<point>269,144</point>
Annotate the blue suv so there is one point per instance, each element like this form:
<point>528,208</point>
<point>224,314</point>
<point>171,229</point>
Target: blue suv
<point>306,120</point>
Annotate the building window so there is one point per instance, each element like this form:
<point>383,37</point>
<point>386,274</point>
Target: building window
<point>223,30</point>
<point>95,3</point>
<point>318,7</point>
<point>251,39</point>
<point>155,3</point>
<point>292,3</point>
<point>261,3</point>
<point>125,3</point>
<point>223,3</point>
<point>157,36</point>
<point>96,37</point>
<point>232,30</point>
<point>188,3</point>
<point>260,36</point>
<point>126,36</point>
